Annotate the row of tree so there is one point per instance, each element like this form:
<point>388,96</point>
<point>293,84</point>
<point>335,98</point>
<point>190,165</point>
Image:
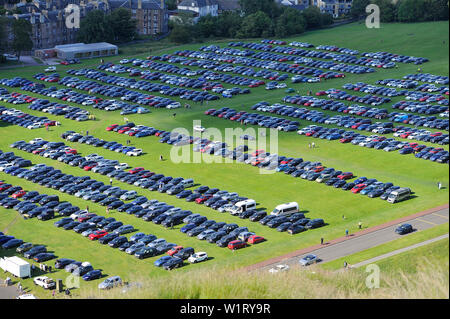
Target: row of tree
<point>21,32</point>
<point>404,10</point>
<point>259,18</point>
<point>115,27</point>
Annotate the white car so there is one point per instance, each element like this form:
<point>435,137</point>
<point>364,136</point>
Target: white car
<point>279,268</point>
<point>174,105</point>
<point>198,257</point>
<point>122,166</point>
<point>50,69</point>
<point>124,61</point>
<point>34,126</point>
<point>45,282</point>
<point>5,166</point>
<point>199,128</point>
<point>135,152</point>
<point>308,260</point>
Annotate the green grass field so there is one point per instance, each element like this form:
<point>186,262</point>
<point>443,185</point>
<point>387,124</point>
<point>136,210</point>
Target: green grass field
<point>425,39</point>
<point>406,241</point>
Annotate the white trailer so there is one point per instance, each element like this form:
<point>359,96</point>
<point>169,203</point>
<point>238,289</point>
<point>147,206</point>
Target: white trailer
<point>16,266</point>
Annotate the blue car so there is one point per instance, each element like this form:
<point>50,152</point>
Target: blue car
<point>92,275</point>
<point>161,261</point>
<point>188,227</point>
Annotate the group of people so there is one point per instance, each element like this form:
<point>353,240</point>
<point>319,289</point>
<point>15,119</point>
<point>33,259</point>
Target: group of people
<point>312,145</point>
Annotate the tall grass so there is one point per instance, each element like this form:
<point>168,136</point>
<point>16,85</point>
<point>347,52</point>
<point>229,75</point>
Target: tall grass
<point>430,281</point>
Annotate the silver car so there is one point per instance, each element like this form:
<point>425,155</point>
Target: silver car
<point>308,260</point>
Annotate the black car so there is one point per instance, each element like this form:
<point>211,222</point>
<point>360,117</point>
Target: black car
<point>63,262</point>
<point>107,238</point>
<point>173,263</point>
<point>184,253</point>
<point>145,252</point>
<point>43,257</point>
<point>404,229</point>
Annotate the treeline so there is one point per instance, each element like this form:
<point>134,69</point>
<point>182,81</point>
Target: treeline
<point>21,31</point>
<point>404,10</point>
<point>115,27</point>
<point>259,18</point>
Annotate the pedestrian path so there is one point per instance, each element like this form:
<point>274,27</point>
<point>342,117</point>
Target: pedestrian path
<point>398,251</point>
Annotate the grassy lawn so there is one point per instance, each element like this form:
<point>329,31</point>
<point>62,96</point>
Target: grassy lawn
<point>269,190</point>
<point>408,240</point>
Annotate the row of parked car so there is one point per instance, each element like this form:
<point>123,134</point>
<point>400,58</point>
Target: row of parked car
<point>98,142</point>
<point>373,89</point>
<point>368,112</point>
<point>54,108</point>
<point>309,62</point>
<point>154,87</point>
<point>419,107</point>
<point>438,155</point>
<point>259,63</point>
<point>426,97</point>
<point>366,99</point>
<point>15,97</point>
<point>23,119</point>
<point>427,77</point>
<point>113,91</point>
<point>106,230</point>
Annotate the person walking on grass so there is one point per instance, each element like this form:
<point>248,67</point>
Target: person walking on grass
<point>345,264</point>
<point>313,145</point>
<point>346,233</point>
<point>360,225</point>
<point>110,181</point>
<point>321,241</point>
<point>160,157</point>
<point>439,185</point>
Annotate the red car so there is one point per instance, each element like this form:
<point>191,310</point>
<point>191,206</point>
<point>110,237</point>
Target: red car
<point>39,150</point>
<point>4,187</point>
<point>174,250</point>
<point>358,188</point>
<point>98,234</point>
<point>18,194</point>
<point>72,151</point>
<point>255,239</point>
<point>236,244</point>
<point>136,170</point>
<point>318,169</point>
<point>90,166</point>
<point>86,217</point>
<point>346,139</point>
<point>346,175</point>
<point>112,127</point>
<point>203,199</point>
<point>123,130</point>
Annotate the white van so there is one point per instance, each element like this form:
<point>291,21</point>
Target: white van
<point>285,209</point>
<point>399,195</point>
<point>243,206</point>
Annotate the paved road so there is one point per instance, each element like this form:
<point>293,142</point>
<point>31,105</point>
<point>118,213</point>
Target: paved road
<point>10,292</point>
<point>398,251</point>
<point>366,241</point>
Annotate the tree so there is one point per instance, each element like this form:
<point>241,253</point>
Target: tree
<point>436,10</point>
<point>171,4</point>
<point>122,25</point>
<point>94,28</point>
<point>180,34</point>
<point>411,11</point>
<point>358,8</point>
<point>3,38</point>
<point>21,30</point>
<point>387,10</point>
<point>256,25</point>
<point>290,22</point>
<point>269,7</point>
<point>313,17</point>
